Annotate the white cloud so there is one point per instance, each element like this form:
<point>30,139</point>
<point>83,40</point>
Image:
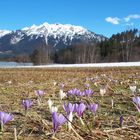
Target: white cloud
<point>129,24</point>
<point>128,18</point>
<point>123,20</point>
<point>114,20</point>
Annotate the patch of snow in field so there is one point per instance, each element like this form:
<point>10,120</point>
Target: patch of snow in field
<point>121,64</point>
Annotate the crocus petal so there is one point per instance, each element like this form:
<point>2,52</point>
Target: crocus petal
<point>93,107</point>
<point>80,109</point>
<point>57,120</point>
<point>74,91</point>
<point>133,88</point>
<point>121,120</point>
<point>8,118</point>
<point>39,92</point>
<point>136,100</point>
<point>53,109</point>
<point>62,94</point>
<point>27,104</point>
<point>87,85</point>
<point>75,107</point>
<point>62,86</point>
<point>50,103</point>
<point>68,107</point>
<point>88,92</point>
<point>61,119</point>
<point>5,117</point>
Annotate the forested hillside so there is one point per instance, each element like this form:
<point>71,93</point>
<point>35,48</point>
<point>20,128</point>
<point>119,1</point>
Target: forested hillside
<point>122,47</point>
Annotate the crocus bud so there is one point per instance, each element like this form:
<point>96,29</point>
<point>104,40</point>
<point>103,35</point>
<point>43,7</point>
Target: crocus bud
<point>54,83</point>
<point>57,120</point>
<point>93,107</point>
<point>27,104</point>
<point>62,94</point>
<point>133,88</point>
<point>50,103</point>
<point>5,118</point>
<point>102,91</point>
<point>54,109</point>
<point>136,101</point>
<point>121,121</point>
<point>39,93</point>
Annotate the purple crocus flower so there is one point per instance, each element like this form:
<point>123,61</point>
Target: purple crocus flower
<point>88,92</point>
<point>87,85</point>
<point>62,86</point>
<point>80,108</point>
<point>93,107</point>
<point>27,104</point>
<point>80,93</point>
<point>74,92</point>
<point>68,107</point>
<point>39,92</point>
<point>57,120</point>
<point>75,107</point>
<point>136,100</point>
<point>5,117</point>
<point>121,120</point>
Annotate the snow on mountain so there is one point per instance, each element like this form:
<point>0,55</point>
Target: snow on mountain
<point>54,29</point>
<point>58,31</point>
<point>17,37</point>
<point>4,32</point>
<point>58,36</point>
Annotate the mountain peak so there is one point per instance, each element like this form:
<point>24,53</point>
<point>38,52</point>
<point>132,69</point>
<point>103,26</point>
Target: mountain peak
<point>56,26</point>
<point>4,32</point>
<point>56,35</point>
<point>56,30</point>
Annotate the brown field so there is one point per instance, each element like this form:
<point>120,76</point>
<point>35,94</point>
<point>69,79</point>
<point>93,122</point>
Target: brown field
<point>19,84</point>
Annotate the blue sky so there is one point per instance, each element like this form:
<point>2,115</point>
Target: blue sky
<point>101,16</point>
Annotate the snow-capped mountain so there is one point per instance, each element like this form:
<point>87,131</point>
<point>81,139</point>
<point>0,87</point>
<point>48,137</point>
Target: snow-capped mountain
<point>4,32</point>
<point>58,31</point>
<point>57,35</point>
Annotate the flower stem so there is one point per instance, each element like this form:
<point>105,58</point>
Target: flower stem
<point>82,122</point>
<point>15,134</point>
<point>2,129</point>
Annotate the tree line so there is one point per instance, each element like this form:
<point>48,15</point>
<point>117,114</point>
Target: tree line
<point>122,47</point>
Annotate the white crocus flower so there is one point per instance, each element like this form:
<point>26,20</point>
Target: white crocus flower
<point>50,103</point>
<point>53,109</point>
<point>102,91</point>
<point>62,94</point>
<point>8,82</point>
<point>54,83</point>
<point>96,84</point>
<point>133,88</point>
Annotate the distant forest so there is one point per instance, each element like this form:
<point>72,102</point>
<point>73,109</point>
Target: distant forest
<point>122,47</point>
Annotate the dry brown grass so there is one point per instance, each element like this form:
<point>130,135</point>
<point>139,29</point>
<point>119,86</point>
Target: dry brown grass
<point>18,84</point>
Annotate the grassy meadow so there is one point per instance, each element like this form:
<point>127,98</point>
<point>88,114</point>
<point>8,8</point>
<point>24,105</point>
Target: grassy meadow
<point>19,84</point>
